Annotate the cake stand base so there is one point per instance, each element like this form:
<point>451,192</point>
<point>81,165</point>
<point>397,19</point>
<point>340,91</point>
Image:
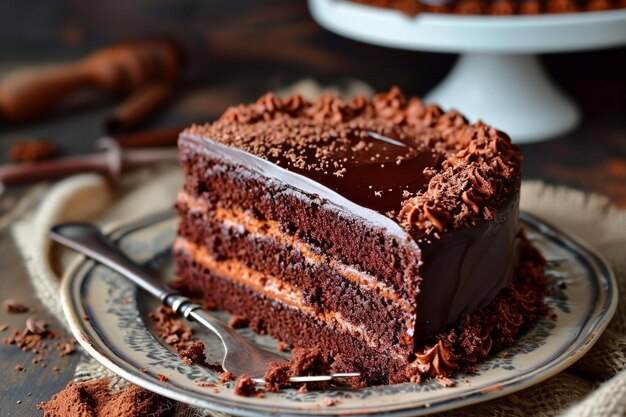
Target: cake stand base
<point>513,89</point>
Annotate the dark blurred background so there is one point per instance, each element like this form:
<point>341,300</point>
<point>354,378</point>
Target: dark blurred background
<point>239,49</point>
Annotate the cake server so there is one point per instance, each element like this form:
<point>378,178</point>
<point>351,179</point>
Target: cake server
<point>240,356</point>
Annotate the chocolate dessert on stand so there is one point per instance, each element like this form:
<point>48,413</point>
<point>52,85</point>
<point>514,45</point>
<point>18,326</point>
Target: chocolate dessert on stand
<point>497,7</point>
<point>383,232</point>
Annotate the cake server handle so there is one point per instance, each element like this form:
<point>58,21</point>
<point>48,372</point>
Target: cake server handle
<point>89,240</point>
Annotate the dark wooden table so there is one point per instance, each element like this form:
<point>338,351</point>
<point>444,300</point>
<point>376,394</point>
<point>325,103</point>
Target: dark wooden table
<point>593,158</point>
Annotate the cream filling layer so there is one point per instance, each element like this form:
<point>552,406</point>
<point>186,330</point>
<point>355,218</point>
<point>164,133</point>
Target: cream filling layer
<point>274,288</point>
<point>237,219</point>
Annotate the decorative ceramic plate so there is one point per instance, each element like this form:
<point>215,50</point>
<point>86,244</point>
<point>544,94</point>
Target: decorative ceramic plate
<point>109,318</point>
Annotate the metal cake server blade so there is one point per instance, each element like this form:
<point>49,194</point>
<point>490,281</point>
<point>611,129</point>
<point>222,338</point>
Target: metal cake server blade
<point>240,356</point>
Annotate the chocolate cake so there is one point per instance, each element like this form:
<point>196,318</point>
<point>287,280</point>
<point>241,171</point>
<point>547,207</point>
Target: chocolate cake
<point>381,231</point>
<point>498,7</point>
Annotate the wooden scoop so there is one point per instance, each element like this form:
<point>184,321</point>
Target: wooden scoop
<point>118,69</point>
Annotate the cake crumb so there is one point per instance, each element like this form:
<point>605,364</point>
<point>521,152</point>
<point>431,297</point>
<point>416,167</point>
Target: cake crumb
<point>276,376</point>
<point>226,376</point>
<point>162,378</point>
<point>245,386</point>
<point>169,328</point>
<point>3,327</point>
<point>238,322</point>
<point>194,354</point>
<point>14,307</point>
<point>281,346</point>
<point>20,368</point>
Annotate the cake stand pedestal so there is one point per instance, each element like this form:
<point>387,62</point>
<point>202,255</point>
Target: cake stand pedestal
<point>498,77</point>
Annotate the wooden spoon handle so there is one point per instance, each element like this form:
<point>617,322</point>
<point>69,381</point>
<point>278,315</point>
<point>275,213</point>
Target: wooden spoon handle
<point>28,94</point>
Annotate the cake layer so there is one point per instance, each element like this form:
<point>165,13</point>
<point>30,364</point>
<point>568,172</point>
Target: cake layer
<point>209,226</point>
<point>324,286</point>
<point>283,322</point>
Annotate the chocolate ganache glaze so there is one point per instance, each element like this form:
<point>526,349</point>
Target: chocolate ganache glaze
<point>372,170</point>
<point>439,184</point>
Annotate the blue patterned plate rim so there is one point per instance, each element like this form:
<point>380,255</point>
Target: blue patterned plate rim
<point>89,336</point>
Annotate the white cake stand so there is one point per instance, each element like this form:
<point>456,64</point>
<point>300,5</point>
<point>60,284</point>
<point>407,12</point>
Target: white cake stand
<point>498,77</point>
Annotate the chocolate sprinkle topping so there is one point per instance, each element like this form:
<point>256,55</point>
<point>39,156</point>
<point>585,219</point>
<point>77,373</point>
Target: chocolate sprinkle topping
<point>427,169</point>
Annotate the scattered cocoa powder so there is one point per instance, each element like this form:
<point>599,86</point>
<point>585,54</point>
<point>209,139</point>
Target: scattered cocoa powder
<point>14,307</point>
<point>31,150</point>
<point>245,386</point>
<point>95,399</point>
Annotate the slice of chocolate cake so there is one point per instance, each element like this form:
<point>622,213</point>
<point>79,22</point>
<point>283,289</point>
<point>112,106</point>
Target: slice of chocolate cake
<point>362,227</point>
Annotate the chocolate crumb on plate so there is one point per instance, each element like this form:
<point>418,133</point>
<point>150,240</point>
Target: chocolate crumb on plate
<point>245,386</point>
<point>276,376</point>
<point>194,354</point>
<point>162,378</point>
<point>20,368</point>
<point>170,329</point>
<point>226,376</point>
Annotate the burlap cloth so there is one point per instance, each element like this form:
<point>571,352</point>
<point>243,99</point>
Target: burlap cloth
<point>594,386</point>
